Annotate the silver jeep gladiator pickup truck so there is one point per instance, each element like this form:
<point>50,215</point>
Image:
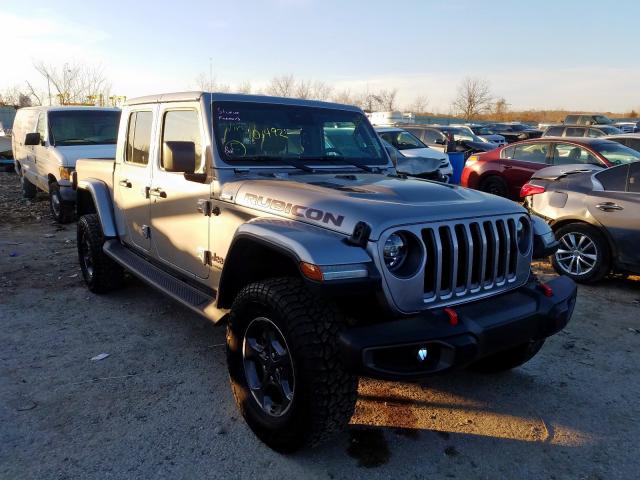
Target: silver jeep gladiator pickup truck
<point>286,220</point>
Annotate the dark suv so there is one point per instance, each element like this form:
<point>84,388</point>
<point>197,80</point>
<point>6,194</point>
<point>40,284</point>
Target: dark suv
<point>514,132</point>
<point>581,131</point>
<point>436,136</point>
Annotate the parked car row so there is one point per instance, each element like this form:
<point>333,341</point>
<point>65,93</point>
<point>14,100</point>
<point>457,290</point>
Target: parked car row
<point>505,170</point>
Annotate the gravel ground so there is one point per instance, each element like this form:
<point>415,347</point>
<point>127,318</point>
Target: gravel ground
<point>159,406</point>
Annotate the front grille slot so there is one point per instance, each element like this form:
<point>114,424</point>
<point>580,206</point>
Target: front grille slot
<point>467,258</point>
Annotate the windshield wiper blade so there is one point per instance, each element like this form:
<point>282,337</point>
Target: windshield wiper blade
<point>287,161</point>
<point>342,159</point>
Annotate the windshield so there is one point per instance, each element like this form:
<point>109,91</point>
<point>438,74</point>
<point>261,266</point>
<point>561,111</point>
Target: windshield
<point>602,120</point>
<point>267,134</point>
<point>616,153</point>
<point>83,127</point>
<point>463,134</point>
<point>402,140</point>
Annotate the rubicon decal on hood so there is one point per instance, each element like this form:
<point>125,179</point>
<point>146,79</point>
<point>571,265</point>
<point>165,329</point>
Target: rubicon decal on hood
<point>294,209</point>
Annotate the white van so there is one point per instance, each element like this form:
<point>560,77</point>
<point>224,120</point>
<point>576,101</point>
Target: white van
<point>47,141</point>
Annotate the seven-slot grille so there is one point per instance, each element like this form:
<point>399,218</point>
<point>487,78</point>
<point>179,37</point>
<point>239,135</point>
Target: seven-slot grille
<point>469,257</point>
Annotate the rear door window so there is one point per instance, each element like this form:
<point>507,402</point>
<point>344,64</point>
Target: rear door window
<point>554,132</point>
<point>575,132</point>
<point>614,179</point>
<point>566,154</point>
<point>633,182</point>
<point>508,152</point>
<point>532,152</point>
<point>183,126</point>
<point>138,138</point>
<point>596,132</point>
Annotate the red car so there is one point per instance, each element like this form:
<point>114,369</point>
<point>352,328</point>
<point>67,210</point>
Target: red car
<point>504,170</point>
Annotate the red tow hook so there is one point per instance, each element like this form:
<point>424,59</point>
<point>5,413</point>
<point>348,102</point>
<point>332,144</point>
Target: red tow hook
<point>546,289</point>
<point>453,316</point>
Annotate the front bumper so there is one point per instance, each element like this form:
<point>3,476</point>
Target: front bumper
<point>389,350</point>
<point>67,191</point>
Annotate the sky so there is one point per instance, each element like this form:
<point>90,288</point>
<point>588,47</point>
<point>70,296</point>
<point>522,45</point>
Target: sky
<point>575,55</point>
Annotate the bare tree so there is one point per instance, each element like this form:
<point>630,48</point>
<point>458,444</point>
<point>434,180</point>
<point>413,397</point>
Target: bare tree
<point>76,82</point>
<point>34,94</point>
<point>419,104</point>
<point>244,87</point>
<point>282,86</point>
<point>321,91</point>
<point>387,99</point>
<point>473,97</point>
<point>15,96</point>
<point>343,96</point>
<point>500,108</point>
<point>302,89</point>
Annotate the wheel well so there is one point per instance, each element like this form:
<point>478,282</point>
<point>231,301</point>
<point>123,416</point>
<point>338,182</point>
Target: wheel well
<point>84,202</point>
<point>250,260</point>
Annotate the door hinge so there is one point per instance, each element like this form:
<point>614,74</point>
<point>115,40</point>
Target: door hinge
<point>206,208</point>
<point>204,255</point>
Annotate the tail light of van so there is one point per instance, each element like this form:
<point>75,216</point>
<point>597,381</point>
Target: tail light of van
<point>529,189</point>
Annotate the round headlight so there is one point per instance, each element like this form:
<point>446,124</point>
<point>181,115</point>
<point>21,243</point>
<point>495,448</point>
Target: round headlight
<point>395,251</point>
<point>522,235</point>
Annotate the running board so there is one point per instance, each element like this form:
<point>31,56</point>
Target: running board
<point>171,286</point>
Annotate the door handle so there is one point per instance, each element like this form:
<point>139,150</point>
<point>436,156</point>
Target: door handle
<point>125,183</point>
<point>608,206</point>
<point>157,192</point>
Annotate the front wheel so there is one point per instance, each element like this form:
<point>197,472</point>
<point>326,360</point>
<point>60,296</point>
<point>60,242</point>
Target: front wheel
<point>61,211</point>
<point>508,359</point>
<point>284,364</point>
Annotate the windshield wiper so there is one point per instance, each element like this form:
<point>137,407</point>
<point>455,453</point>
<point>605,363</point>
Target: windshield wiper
<point>286,161</point>
<point>342,159</point>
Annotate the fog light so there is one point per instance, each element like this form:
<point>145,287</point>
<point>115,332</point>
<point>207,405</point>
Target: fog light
<point>422,354</point>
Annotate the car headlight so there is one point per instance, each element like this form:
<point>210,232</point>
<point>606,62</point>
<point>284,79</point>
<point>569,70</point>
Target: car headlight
<point>394,251</point>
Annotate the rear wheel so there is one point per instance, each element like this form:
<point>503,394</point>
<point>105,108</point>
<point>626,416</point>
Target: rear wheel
<point>583,253</point>
<point>62,212</point>
<point>508,359</point>
<point>101,274</point>
<point>495,186</point>
<point>285,367</point>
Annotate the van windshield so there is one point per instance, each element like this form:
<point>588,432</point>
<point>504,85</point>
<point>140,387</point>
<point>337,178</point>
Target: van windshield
<point>252,133</point>
<point>83,127</point>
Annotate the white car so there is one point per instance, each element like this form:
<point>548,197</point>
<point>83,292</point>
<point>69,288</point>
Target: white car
<point>412,146</point>
<point>47,141</point>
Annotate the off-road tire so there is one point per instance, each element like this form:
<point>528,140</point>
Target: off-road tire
<point>508,359</point>
<point>106,275</point>
<point>495,186</point>
<point>29,190</point>
<point>603,263</point>
<point>61,211</point>
<point>324,394</point>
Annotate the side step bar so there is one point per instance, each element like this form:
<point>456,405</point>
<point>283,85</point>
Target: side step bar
<point>175,288</point>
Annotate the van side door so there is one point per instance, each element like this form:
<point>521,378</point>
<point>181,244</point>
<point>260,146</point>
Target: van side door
<point>132,179</point>
<point>179,225</point>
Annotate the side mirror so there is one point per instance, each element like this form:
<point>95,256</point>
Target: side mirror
<point>440,141</point>
<point>179,157</point>
<point>32,138</point>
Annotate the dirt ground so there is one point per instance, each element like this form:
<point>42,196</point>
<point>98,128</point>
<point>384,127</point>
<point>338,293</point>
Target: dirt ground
<point>159,406</point>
